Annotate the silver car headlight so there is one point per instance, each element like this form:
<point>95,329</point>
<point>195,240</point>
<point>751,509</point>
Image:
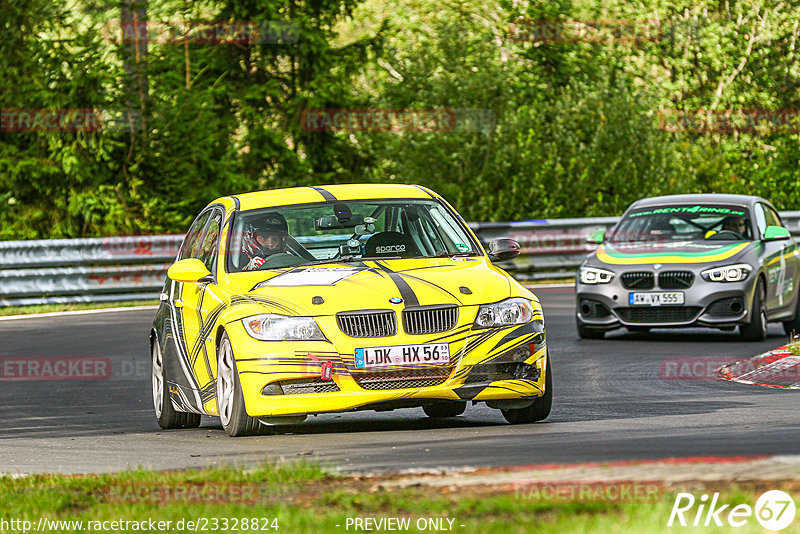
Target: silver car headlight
<point>593,275</point>
<point>727,273</point>
<point>504,313</point>
<point>272,327</point>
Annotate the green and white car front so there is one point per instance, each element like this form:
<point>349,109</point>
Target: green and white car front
<point>668,263</point>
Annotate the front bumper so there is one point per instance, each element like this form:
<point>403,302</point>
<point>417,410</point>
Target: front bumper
<point>708,304</point>
<point>286,378</point>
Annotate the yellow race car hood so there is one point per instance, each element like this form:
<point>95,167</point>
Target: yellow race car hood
<point>336,287</point>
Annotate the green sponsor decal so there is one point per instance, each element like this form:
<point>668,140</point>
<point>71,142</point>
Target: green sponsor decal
<point>462,247</point>
<point>714,210</point>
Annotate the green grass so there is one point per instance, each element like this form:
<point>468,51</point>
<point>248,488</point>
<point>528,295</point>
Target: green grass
<point>49,308</point>
<point>305,498</point>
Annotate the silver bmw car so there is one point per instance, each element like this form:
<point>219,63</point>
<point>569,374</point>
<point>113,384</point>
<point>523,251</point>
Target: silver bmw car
<point>707,260</point>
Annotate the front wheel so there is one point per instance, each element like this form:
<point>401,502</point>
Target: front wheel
<point>168,417</point>
<point>230,400</point>
<point>540,408</point>
<point>793,326</point>
<point>756,328</point>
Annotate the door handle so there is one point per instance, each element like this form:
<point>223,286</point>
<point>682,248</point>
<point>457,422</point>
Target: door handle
<point>179,303</point>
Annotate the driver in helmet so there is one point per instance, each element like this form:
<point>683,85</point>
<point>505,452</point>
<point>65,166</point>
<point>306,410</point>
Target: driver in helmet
<point>734,224</point>
<point>263,237</point>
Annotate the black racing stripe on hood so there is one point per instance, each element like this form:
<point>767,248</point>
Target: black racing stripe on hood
<point>327,195</point>
<point>409,297</point>
<point>422,280</point>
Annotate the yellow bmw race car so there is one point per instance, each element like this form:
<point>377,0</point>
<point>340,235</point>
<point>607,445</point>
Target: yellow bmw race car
<point>310,300</point>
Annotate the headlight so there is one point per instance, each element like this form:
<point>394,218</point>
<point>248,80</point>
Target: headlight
<point>270,327</point>
<point>728,273</point>
<point>504,313</point>
<point>592,275</point>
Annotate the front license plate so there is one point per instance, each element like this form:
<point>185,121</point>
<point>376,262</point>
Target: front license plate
<point>655,299</point>
<point>369,357</point>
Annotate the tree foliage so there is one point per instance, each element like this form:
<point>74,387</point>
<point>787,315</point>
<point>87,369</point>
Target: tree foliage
<point>564,127</point>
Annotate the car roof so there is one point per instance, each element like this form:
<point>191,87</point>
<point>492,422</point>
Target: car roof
<point>739,200</point>
<point>329,193</point>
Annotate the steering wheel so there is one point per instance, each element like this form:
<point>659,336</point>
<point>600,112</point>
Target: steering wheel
<point>726,234</point>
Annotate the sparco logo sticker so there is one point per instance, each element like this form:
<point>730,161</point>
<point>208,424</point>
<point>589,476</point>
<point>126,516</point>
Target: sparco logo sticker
<point>390,248</point>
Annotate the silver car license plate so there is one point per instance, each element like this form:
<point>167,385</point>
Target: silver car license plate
<point>655,299</point>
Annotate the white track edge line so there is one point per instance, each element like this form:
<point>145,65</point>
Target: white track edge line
<point>77,312</point>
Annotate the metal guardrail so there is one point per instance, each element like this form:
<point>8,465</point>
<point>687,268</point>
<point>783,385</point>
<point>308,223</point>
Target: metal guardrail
<point>62,271</point>
<point>117,269</point>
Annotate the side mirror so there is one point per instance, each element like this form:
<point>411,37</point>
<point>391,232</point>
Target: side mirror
<point>596,237</point>
<point>776,233</point>
<point>503,249</point>
<point>189,270</point>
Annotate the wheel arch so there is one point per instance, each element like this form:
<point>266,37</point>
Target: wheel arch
<point>218,336</point>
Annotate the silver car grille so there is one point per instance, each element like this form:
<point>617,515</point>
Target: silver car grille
<point>675,279</point>
<point>637,280</point>
<point>368,323</point>
<point>430,320</point>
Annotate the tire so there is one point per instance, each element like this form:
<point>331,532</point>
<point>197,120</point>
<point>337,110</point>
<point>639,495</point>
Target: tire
<point>793,326</point>
<point>230,400</point>
<point>167,416</point>
<point>584,332</point>
<point>756,328</point>
<point>445,409</point>
<point>540,408</point>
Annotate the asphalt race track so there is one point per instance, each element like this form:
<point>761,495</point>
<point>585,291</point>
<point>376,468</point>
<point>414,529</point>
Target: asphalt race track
<point>613,401</point>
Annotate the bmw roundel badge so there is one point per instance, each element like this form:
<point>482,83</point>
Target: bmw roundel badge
<point>395,300</point>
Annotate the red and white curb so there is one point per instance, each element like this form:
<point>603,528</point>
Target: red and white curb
<point>779,368</point>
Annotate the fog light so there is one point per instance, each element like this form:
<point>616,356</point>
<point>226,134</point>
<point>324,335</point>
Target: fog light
<point>272,389</point>
<point>527,372</point>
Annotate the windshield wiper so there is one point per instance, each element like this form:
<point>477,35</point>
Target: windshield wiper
<point>446,254</point>
<point>349,258</point>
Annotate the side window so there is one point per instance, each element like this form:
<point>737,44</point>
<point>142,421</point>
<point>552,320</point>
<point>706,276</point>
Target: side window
<point>208,246</point>
<point>773,219</point>
<point>761,219</point>
<point>190,245</point>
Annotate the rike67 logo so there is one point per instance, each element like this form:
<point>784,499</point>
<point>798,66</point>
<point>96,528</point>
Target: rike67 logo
<point>774,510</point>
